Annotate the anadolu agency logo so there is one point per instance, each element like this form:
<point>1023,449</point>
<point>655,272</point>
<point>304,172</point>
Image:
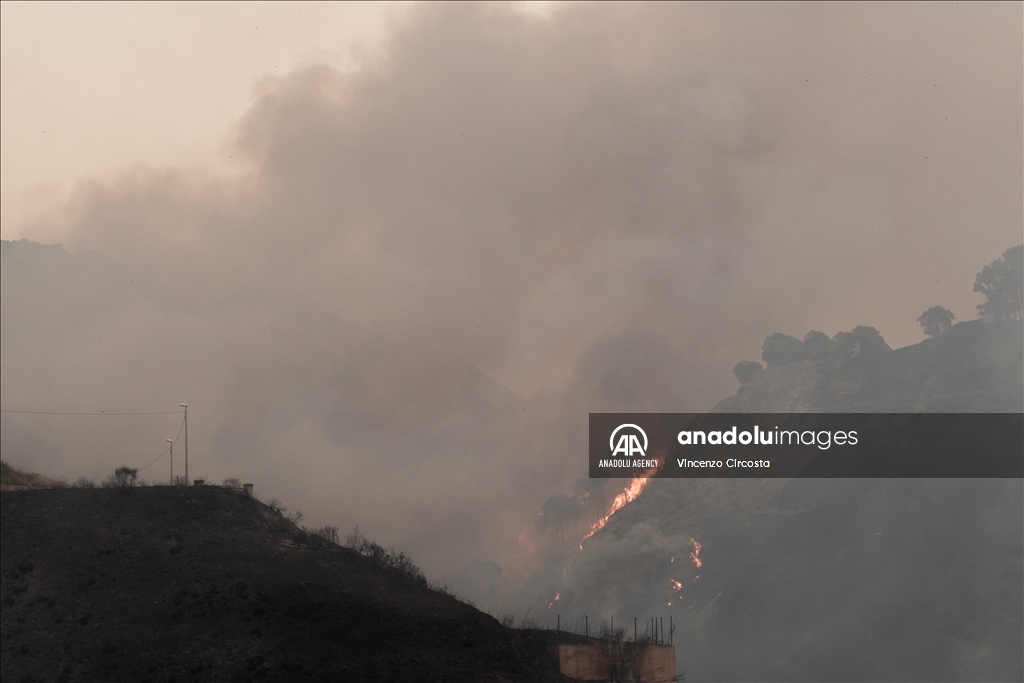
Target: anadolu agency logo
<point>628,445</point>
<point>645,446</point>
<point>626,448</point>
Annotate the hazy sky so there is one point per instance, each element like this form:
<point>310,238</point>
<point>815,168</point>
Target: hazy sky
<point>91,88</point>
<point>883,121</point>
<point>324,219</point>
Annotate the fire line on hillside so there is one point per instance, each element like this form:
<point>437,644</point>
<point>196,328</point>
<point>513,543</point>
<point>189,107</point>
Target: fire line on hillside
<point>627,496</point>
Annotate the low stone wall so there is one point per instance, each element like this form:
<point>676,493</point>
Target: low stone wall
<point>624,661</point>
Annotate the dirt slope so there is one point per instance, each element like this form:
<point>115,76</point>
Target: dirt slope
<point>204,584</point>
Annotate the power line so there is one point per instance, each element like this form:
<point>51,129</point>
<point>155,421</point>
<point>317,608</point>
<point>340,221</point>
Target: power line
<point>39,412</point>
<point>166,450</point>
<point>105,414</point>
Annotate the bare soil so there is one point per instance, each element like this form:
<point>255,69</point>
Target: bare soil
<point>205,584</point>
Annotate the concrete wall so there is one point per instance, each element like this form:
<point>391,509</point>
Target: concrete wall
<point>604,662</point>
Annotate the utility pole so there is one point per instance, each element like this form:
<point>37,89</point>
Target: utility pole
<point>185,406</point>
<point>171,441</point>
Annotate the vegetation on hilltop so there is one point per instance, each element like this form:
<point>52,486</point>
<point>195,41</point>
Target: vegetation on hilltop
<point>12,476</point>
<point>974,365</point>
<point>1002,284</point>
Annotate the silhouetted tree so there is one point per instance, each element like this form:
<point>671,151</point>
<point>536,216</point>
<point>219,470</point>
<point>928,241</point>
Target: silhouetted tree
<point>623,660</point>
<point>781,349</point>
<point>860,341</point>
<point>818,345</point>
<point>124,478</point>
<point>1002,284</point>
<point>746,369</point>
<point>328,533</point>
<point>936,320</point>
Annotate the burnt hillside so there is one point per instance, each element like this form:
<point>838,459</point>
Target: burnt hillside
<point>205,584</point>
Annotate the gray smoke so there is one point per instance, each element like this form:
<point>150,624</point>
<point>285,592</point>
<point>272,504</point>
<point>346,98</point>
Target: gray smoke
<point>436,266</point>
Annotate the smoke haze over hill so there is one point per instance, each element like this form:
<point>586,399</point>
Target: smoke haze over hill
<point>436,265</point>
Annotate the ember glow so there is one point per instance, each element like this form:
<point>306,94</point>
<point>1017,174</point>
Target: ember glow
<point>695,556</point>
<point>627,496</point>
<point>677,586</point>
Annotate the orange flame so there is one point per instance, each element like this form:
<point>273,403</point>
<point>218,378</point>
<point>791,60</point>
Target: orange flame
<point>628,496</point>
<point>676,584</point>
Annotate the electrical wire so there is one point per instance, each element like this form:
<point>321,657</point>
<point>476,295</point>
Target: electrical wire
<point>39,412</point>
<point>104,414</point>
<point>166,450</point>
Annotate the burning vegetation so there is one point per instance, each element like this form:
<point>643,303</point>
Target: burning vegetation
<point>634,489</point>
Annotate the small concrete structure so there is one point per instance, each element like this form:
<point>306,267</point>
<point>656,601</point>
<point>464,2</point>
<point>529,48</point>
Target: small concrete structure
<point>248,489</point>
<point>615,661</point>
<point>198,482</point>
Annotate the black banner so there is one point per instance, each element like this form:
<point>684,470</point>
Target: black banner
<point>818,445</point>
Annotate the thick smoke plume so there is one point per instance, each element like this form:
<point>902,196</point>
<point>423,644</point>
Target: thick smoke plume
<point>437,265</point>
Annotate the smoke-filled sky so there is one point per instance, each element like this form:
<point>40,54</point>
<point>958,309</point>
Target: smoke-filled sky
<point>325,228</point>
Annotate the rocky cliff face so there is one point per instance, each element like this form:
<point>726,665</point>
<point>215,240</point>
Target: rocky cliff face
<point>973,367</point>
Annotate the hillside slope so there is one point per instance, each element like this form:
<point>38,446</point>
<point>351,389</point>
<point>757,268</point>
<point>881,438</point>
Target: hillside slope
<point>13,478</point>
<point>281,388</point>
<point>834,580</point>
<point>973,367</point>
<point>205,584</point>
